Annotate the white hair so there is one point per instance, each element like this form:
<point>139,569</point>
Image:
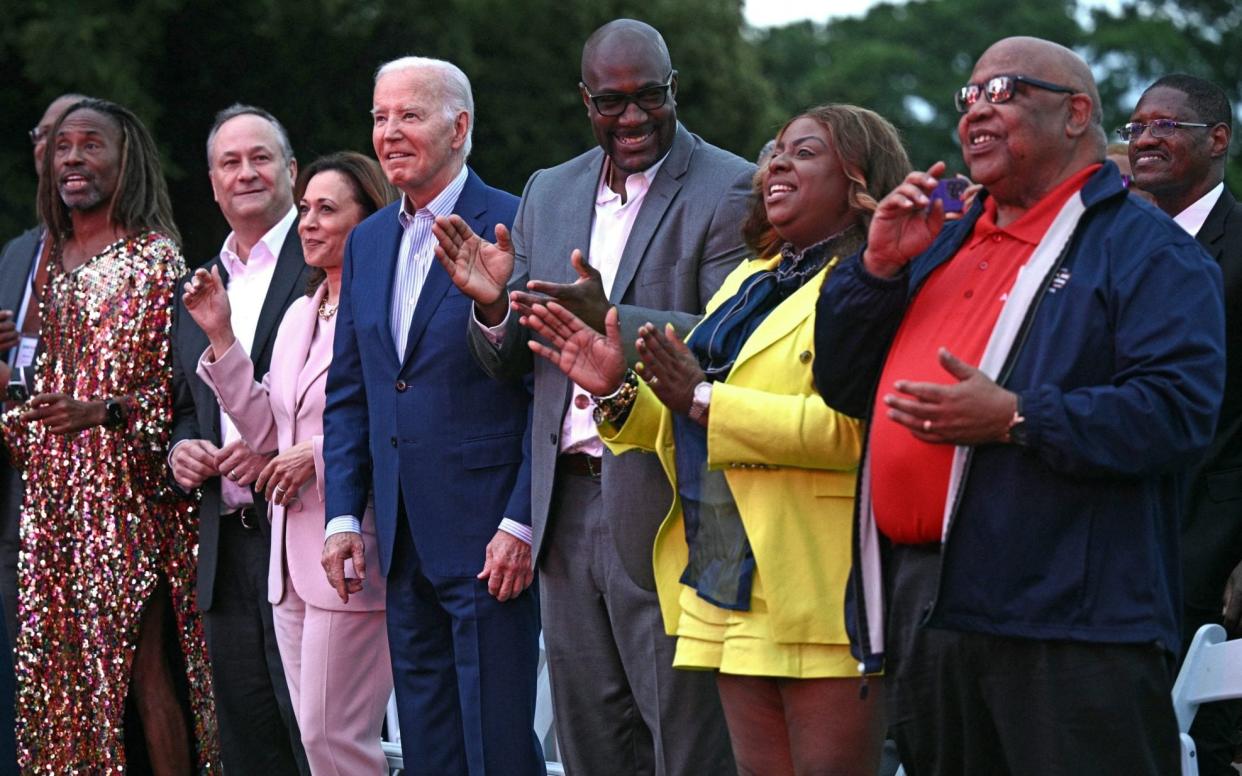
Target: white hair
<point>455,88</point>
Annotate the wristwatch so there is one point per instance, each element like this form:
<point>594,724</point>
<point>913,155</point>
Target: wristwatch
<point>699,404</point>
<point>114,413</point>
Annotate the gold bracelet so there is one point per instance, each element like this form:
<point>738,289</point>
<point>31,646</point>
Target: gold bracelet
<point>616,406</point>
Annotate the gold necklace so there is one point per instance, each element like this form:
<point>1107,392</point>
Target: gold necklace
<point>326,311</point>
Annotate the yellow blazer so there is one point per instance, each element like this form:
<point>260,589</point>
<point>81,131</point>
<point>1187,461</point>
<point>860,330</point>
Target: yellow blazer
<point>789,459</point>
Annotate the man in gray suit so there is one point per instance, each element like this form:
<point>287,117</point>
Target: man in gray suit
<point>23,274</point>
<point>652,220</point>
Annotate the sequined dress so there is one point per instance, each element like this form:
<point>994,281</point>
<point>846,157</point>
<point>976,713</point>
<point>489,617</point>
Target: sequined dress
<point>101,527</point>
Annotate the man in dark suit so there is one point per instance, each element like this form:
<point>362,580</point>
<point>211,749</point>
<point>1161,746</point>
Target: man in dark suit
<point>443,447</point>
<point>653,220</point>
<point>23,275</point>
<point>1179,143</point>
<point>252,171</point>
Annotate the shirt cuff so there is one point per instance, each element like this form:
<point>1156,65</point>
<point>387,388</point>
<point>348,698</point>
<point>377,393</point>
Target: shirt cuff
<point>342,524</point>
<point>514,528</point>
<point>173,449</point>
<point>494,334</point>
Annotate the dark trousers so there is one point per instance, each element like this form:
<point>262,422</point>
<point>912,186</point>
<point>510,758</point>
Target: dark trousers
<point>966,704</point>
<point>258,732</point>
<point>620,705</point>
<point>465,667</point>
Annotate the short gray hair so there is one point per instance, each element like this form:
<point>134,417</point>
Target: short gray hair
<point>455,88</point>
<point>239,109</point>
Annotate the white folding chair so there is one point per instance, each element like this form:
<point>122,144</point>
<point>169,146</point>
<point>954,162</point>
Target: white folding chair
<point>1212,671</point>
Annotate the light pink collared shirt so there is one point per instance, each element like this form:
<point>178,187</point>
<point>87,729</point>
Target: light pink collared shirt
<point>247,289</point>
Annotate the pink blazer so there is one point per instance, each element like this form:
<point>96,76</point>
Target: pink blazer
<point>283,410</point>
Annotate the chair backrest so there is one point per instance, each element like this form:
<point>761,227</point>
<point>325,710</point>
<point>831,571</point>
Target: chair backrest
<point>1212,671</point>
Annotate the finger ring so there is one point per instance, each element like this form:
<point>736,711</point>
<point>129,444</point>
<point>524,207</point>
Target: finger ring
<point>233,475</point>
<point>927,425</point>
<point>279,489</point>
<point>653,380</point>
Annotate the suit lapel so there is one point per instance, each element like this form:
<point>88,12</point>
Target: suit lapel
<point>1212,232</point>
<point>297,341</point>
<point>578,212</point>
<point>384,272</point>
<point>15,269</point>
<point>785,318</point>
<point>472,207</point>
<point>661,194</point>
<point>289,269</point>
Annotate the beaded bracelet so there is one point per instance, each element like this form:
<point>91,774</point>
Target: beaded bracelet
<point>616,406</point>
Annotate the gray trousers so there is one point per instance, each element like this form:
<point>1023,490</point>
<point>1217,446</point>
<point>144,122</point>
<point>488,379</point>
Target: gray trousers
<point>620,707</point>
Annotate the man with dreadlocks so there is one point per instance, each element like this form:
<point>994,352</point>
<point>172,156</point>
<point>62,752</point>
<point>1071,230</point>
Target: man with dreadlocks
<point>106,577</point>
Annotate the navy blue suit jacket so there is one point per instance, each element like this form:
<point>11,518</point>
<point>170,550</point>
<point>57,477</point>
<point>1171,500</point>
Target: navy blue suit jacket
<point>430,428</point>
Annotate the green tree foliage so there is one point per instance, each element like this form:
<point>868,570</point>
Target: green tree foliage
<point>177,62</point>
<point>310,62</point>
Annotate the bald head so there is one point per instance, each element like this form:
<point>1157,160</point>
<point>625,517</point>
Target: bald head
<point>54,111</point>
<point>626,40</point>
<point>1053,62</point>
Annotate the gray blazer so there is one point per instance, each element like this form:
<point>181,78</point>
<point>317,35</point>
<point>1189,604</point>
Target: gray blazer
<point>686,240</point>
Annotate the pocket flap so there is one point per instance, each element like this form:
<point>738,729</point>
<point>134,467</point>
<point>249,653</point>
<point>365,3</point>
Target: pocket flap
<point>486,452</point>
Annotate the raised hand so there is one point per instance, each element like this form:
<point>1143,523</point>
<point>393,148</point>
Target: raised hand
<point>208,304</point>
<point>584,297</point>
<point>592,360</point>
<point>903,226</point>
<point>479,268</point>
<point>668,366</point>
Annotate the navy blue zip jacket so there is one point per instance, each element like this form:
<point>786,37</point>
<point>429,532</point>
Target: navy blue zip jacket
<point>1120,368</point>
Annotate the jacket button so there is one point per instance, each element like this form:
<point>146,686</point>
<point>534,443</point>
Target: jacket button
<point>804,356</point>
<point>552,438</point>
<point>392,441</point>
<point>401,386</point>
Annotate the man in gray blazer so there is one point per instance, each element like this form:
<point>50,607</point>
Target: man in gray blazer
<point>652,219</point>
<point>23,273</point>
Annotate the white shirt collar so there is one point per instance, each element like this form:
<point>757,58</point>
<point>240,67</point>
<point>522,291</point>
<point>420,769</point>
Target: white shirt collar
<point>1192,218</point>
<point>634,184</point>
<point>441,205</point>
<point>264,252</point>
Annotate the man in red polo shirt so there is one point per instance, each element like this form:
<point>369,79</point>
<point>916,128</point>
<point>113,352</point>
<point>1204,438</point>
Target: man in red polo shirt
<point>1038,377</point>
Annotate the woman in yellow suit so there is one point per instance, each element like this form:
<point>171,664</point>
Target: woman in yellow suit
<point>752,560</point>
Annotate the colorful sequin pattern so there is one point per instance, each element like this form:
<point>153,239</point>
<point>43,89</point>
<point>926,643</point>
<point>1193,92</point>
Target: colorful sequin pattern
<point>101,528</point>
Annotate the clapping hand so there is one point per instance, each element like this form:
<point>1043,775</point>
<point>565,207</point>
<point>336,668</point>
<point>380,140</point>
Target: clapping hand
<point>903,225</point>
<point>668,366</point>
<point>208,304</point>
<point>592,360</point>
<point>480,269</point>
<point>584,298</point>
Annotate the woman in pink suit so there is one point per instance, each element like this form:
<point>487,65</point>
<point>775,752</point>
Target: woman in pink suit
<point>335,652</point>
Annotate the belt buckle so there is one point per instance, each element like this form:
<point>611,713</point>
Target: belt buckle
<point>248,519</point>
<point>595,466</point>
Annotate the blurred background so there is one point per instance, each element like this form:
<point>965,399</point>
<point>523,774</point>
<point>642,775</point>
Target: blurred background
<point>744,68</point>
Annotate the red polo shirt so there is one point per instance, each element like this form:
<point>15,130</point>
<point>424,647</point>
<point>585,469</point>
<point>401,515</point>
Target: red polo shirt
<point>956,308</point>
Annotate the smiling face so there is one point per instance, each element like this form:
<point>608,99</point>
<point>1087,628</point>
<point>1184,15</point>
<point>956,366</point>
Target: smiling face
<point>418,144</point>
<point>86,159</point>
<point>805,190</point>
<point>1180,168</point>
<point>637,138</point>
<point>1018,149</point>
<point>328,210</point>
<point>250,177</point>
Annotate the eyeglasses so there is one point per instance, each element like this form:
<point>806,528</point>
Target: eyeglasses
<point>1158,127</point>
<point>648,99</point>
<point>999,89</point>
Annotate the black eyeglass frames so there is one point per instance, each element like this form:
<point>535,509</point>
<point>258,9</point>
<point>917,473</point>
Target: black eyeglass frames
<point>1001,89</point>
<point>649,99</point>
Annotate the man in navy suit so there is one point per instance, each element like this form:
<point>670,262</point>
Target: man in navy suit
<point>443,448</point>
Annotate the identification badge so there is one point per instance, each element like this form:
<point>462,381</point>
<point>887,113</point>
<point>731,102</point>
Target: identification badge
<point>26,352</point>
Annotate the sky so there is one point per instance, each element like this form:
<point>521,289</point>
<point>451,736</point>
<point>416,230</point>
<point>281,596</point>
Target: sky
<point>770,13</point>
